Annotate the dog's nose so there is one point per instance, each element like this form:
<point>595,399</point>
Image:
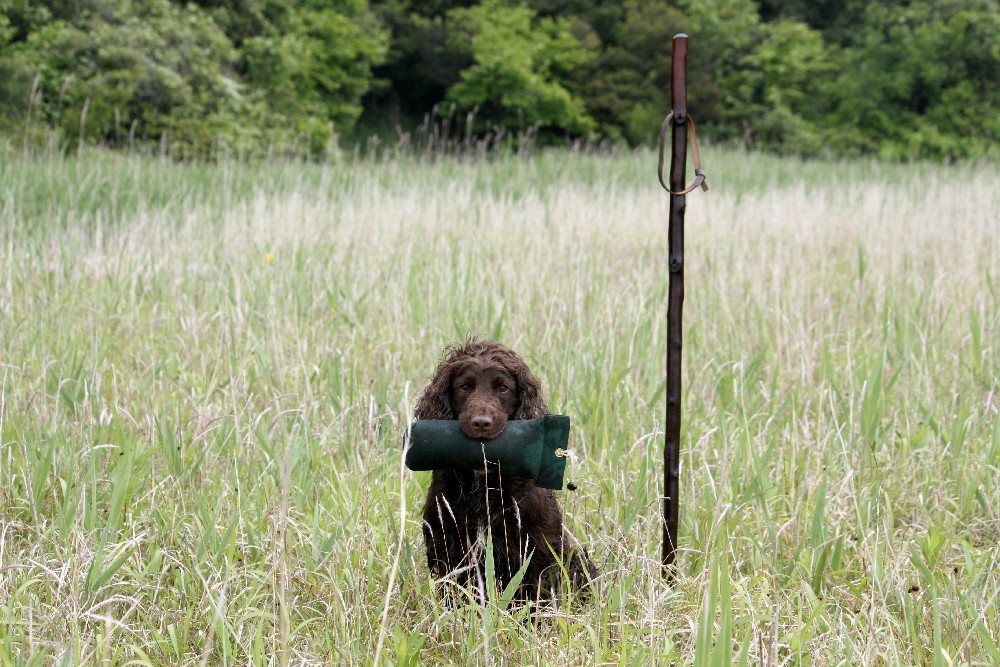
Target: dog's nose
<point>482,422</point>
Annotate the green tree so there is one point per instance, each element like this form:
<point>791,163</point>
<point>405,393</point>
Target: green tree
<point>421,64</point>
<point>921,81</point>
<point>313,64</point>
<point>788,76</point>
<point>520,63</point>
<point>901,78</point>
<point>112,74</point>
<point>837,20</point>
<point>627,87</point>
<point>118,72</point>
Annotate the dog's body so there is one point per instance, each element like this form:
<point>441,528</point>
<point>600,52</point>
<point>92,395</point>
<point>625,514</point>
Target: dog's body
<point>483,385</point>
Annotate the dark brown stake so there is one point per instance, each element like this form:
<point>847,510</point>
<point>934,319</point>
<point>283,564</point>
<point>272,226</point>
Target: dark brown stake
<point>678,121</point>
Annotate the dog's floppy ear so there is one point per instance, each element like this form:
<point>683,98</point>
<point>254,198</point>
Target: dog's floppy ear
<point>436,400</point>
<point>531,405</point>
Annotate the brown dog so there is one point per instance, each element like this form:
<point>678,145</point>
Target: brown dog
<point>483,384</point>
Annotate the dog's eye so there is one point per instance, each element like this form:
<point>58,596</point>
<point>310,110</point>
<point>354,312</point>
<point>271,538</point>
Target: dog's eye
<point>503,389</point>
<point>464,387</point>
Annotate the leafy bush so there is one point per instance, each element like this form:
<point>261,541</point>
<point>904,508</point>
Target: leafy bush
<point>519,62</point>
<point>920,81</point>
<point>127,73</point>
<point>904,79</point>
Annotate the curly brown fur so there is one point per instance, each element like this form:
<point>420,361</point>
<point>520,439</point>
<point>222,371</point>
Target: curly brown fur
<point>483,384</point>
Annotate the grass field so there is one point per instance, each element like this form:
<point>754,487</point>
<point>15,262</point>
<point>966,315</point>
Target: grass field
<point>206,369</point>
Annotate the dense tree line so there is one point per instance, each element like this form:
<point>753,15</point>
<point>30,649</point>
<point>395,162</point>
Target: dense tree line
<point>898,78</point>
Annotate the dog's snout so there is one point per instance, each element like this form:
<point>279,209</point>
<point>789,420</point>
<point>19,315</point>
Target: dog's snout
<point>482,422</point>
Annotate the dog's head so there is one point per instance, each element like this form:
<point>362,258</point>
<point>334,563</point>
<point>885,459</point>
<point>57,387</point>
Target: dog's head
<point>482,384</point>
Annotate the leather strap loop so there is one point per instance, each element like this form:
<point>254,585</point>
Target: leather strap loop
<point>699,174</point>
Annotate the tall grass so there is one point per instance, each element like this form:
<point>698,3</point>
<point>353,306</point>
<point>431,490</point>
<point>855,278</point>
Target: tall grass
<point>205,371</point>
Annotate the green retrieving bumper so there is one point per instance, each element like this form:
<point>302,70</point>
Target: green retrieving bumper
<point>529,448</point>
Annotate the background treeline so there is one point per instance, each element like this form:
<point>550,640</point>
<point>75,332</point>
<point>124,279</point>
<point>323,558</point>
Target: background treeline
<point>897,78</point>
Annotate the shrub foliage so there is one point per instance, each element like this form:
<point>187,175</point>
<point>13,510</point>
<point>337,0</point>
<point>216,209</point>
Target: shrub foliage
<point>902,79</point>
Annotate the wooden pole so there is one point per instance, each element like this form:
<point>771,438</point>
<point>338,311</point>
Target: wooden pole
<point>672,426</point>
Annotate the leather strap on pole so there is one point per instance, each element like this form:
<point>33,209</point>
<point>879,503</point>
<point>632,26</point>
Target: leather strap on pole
<point>699,174</point>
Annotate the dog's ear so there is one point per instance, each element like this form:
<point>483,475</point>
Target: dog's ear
<point>435,403</point>
<point>531,405</point>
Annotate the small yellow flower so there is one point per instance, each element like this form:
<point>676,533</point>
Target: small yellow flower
<point>269,258</point>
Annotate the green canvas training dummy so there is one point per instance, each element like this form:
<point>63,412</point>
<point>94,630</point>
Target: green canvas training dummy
<point>529,448</point>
